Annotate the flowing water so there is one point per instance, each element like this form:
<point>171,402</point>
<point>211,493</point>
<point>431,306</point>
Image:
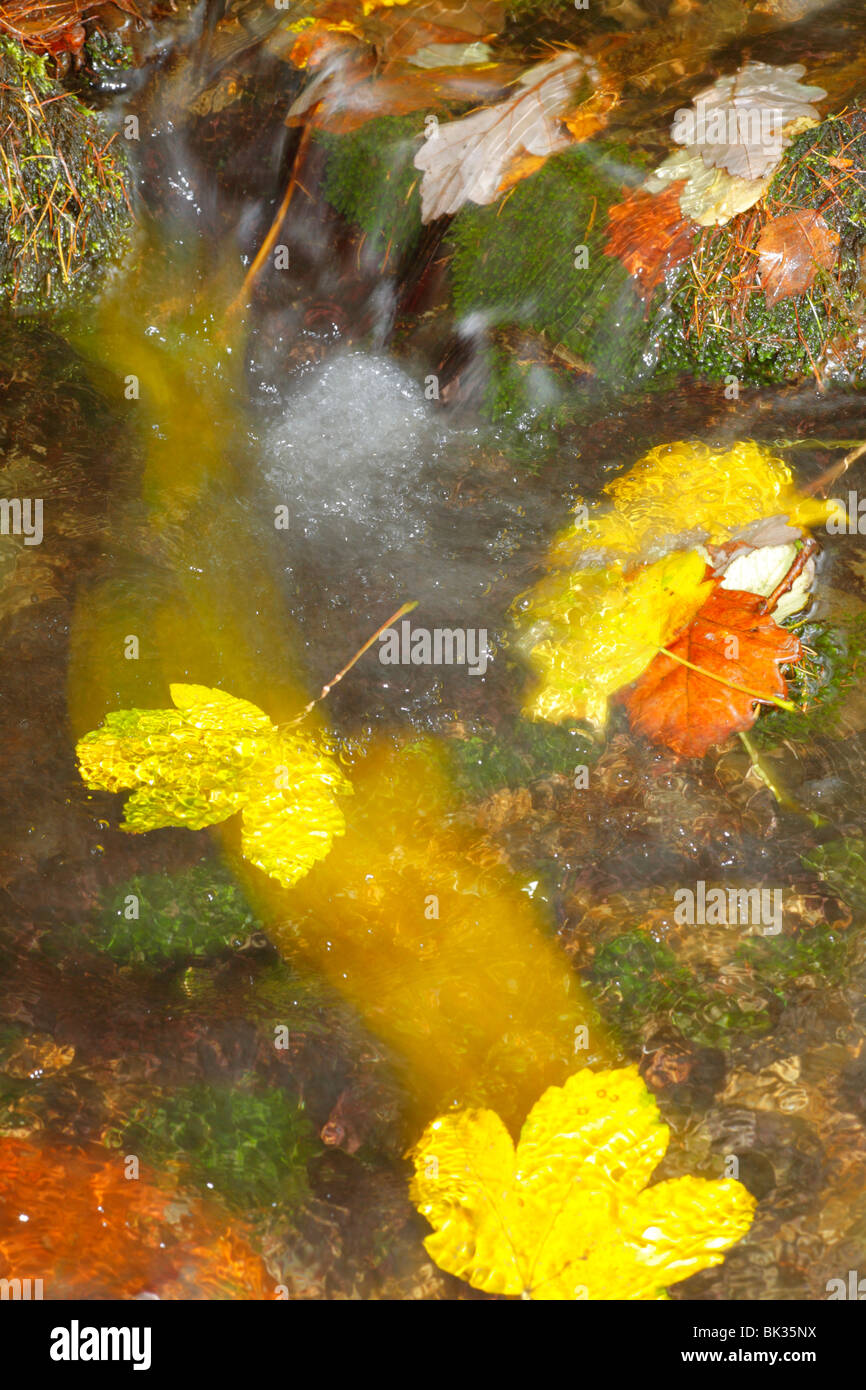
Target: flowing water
<point>152,1031</point>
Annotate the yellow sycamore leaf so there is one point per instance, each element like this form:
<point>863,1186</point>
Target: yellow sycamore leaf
<point>210,756</point>
<point>587,633</point>
<point>690,490</point>
<point>567,1214</point>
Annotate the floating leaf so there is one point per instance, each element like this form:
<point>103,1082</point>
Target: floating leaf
<point>739,650</point>
<point>210,756</point>
<point>791,251</point>
<point>475,158</point>
<point>592,631</point>
<point>568,1214</point>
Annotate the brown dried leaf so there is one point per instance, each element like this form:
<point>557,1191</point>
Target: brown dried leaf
<point>649,234</point>
<point>791,249</point>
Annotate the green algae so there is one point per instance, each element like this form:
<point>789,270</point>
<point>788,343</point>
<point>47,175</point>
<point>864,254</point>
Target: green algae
<point>517,753</point>
<point>841,864</point>
<point>158,920</point>
<point>247,1144</point>
<point>635,977</point>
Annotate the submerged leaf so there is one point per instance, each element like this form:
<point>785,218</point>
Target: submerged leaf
<point>649,235</point>
<point>593,631</point>
<point>210,756</point>
<point>568,1214</point>
<point>739,649</point>
<point>694,491</point>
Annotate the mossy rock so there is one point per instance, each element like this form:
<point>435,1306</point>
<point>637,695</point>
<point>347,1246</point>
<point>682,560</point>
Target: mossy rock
<point>370,179</point>
<point>740,334</point>
<point>519,262</point>
<point>818,684</point>
<point>63,204</point>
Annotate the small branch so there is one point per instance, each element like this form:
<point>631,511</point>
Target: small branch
<point>326,689</point>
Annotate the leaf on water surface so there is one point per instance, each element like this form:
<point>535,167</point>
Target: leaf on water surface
<point>210,756</point>
<point>567,1214</point>
<point>476,158</point>
<point>734,136</point>
<point>590,632</point>
<point>791,251</point>
<point>736,644</point>
<point>649,235</point>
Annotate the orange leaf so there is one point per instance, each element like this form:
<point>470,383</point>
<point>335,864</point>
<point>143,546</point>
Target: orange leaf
<point>736,644</point>
<point>649,234</point>
<point>70,1216</point>
<point>790,251</point>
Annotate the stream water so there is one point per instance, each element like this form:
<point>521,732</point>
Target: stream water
<point>153,1034</point>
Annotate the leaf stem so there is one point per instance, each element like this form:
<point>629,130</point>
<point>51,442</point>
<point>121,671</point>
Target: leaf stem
<point>732,685</point>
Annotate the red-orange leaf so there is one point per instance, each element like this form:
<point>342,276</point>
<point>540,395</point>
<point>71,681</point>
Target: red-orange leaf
<point>791,249</point>
<point>649,234</point>
<point>736,644</point>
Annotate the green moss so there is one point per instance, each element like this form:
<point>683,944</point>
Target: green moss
<point>746,338</point>
<point>778,961</point>
<point>841,864</point>
<point>635,977</point>
<point>516,754</point>
<point>251,1147</point>
<point>819,684</point>
<point>188,915</point>
<point>371,181</point>
<point>63,209</point>
<point>515,263</point>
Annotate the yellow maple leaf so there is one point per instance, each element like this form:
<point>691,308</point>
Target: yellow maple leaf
<point>691,490</point>
<point>567,1214</point>
<point>210,756</point>
<point>587,633</point>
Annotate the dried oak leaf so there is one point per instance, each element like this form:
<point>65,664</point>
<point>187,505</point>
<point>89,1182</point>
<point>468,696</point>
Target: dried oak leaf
<point>474,159</point>
<point>567,1213</point>
<point>736,644</point>
<point>649,235</point>
<point>742,123</point>
<point>791,250</point>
